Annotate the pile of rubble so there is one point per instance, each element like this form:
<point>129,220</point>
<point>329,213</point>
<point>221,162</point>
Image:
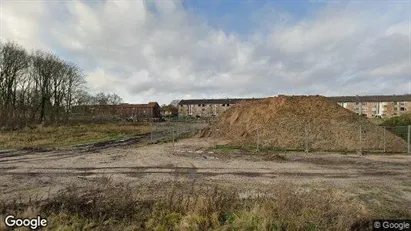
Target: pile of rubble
<point>300,122</point>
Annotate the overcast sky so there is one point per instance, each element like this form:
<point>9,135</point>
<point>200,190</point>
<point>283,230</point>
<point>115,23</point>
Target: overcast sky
<point>163,50</point>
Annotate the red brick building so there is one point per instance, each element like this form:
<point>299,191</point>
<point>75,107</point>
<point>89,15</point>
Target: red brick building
<point>149,110</point>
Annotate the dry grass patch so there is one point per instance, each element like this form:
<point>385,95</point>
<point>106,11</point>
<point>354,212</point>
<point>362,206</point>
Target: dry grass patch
<point>56,136</point>
<point>179,207</point>
<point>387,200</point>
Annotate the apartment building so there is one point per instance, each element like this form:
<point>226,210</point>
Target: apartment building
<point>370,106</point>
<point>384,106</point>
<point>206,107</point>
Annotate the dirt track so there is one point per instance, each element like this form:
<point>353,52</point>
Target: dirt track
<point>40,173</point>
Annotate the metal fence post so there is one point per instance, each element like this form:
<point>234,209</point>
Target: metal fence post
<point>263,144</point>
<point>306,138</point>
<point>258,139</point>
<point>151,133</point>
<point>360,139</point>
<point>172,130</point>
<point>409,139</point>
<point>385,145</point>
<point>215,137</point>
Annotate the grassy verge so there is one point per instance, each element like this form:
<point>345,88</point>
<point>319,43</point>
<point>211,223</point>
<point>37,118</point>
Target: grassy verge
<point>120,207</point>
<point>377,121</point>
<point>230,148</point>
<point>177,137</point>
<point>57,136</point>
<point>253,149</point>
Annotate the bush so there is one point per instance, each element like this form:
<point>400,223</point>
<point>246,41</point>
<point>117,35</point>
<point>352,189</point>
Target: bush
<point>402,120</point>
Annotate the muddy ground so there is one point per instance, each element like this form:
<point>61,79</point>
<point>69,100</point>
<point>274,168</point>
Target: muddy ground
<point>39,174</point>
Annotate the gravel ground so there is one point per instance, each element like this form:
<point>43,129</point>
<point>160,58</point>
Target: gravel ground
<point>39,174</point>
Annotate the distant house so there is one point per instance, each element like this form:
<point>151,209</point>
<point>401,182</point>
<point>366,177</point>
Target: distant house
<point>169,110</point>
<point>149,110</point>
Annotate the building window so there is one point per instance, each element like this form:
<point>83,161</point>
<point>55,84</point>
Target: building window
<point>223,105</point>
<point>203,105</point>
<point>228,105</point>
<point>402,109</point>
<point>199,105</point>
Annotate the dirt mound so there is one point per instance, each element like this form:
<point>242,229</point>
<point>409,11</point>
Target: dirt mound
<point>296,122</point>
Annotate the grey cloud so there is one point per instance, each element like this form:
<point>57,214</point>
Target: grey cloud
<point>148,51</point>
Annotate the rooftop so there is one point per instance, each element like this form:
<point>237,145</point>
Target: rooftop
<point>367,98</point>
<point>372,98</point>
<point>147,105</point>
<point>214,101</point>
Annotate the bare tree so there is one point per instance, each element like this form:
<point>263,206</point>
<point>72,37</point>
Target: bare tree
<point>81,98</point>
<point>56,80</point>
<point>102,98</point>
<point>114,99</point>
<point>46,67</point>
<point>13,64</point>
<point>41,87</point>
<point>74,82</point>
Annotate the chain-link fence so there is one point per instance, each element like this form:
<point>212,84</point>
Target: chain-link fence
<point>171,131</point>
<point>403,132</point>
<point>365,138</point>
<point>360,138</point>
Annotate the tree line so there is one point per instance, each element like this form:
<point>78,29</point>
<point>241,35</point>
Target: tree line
<point>40,87</point>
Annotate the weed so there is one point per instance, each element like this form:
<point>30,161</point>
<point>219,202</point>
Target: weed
<point>56,136</point>
<point>121,207</point>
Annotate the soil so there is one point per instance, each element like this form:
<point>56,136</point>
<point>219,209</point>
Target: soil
<point>41,174</point>
<point>301,122</point>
